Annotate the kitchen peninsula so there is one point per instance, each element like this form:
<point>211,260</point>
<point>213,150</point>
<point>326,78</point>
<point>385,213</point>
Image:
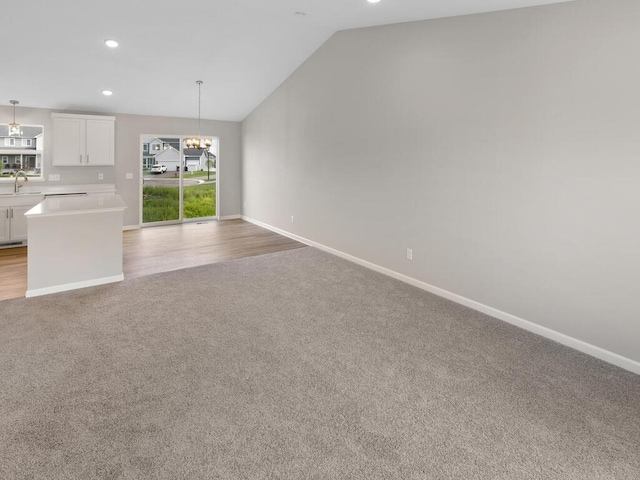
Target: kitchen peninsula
<point>75,241</point>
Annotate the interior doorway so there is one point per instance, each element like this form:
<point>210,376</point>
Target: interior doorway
<point>178,184</point>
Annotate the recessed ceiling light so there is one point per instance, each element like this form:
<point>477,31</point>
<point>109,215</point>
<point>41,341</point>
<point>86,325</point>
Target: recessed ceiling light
<point>373,1</point>
<point>107,93</point>
<point>111,43</point>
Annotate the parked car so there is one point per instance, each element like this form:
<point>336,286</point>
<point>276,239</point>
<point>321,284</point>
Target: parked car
<point>157,168</point>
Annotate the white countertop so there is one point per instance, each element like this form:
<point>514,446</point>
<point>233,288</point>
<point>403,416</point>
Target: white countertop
<point>35,187</point>
<point>76,204</point>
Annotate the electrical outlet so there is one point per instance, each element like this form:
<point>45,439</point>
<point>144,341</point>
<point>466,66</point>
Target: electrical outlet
<point>101,176</point>
<point>409,254</point>
<point>54,177</point>
<point>129,176</point>
<point>291,218</point>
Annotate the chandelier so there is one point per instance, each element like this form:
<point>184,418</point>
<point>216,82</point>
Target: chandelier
<point>198,142</point>
<point>14,128</point>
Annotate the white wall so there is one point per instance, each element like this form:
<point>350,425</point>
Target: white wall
<point>503,148</point>
<point>128,129</point>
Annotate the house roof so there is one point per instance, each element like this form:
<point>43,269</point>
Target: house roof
<point>28,131</point>
<point>192,152</point>
<point>164,151</point>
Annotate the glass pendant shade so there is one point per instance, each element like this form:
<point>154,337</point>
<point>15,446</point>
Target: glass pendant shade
<point>197,142</point>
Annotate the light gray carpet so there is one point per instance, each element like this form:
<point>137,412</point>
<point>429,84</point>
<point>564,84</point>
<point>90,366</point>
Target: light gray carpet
<point>298,365</point>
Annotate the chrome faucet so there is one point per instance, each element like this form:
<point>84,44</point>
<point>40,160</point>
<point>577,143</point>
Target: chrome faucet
<point>16,185</point>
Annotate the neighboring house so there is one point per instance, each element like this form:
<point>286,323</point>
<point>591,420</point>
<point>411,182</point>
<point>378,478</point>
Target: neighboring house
<point>167,152</point>
<point>155,146</point>
<point>20,152</point>
<point>170,157</point>
<point>196,159</point>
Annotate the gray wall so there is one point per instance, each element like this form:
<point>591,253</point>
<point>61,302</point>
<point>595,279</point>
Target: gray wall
<point>128,129</point>
<point>503,148</point>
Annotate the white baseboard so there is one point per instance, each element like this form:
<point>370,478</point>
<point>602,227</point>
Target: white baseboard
<point>581,346</point>
<point>36,292</point>
<point>130,227</point>
<point>229,217</point>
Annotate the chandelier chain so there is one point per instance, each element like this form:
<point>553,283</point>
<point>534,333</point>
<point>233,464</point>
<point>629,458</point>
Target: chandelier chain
<point>14,128</point>
<point>199,142</point>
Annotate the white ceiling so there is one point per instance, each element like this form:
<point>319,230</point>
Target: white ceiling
<point>54,55</point>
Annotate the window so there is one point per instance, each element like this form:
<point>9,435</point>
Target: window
<point>22,152</point>
<point>156,147</point>
<point>145,147</point>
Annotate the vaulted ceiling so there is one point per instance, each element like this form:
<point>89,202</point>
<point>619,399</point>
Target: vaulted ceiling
<point>54,54</point>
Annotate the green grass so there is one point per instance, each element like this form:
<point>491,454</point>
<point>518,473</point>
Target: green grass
<point>200,200</point>
<point>161,204</point>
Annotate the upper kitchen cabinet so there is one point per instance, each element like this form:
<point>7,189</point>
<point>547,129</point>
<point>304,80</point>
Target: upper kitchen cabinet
<point>82,140</point>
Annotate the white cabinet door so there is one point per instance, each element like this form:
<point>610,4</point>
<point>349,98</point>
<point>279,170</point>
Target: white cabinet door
<point>82,140</point>
<point>68,141</point>
<point>19,223</point>
<point>5,224</point>
<point>100,140</point>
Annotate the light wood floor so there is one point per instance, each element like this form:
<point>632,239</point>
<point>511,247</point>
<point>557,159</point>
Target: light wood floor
<point>161,249</point>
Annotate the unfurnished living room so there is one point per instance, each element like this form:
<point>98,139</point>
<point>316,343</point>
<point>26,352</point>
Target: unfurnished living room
<point>320,239</point>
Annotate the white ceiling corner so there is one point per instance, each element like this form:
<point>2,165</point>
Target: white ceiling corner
<point>241,49</point>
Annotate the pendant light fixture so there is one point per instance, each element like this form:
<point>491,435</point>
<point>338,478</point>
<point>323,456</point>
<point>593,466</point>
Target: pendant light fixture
<point>14,128</point>
<point>198,142</point>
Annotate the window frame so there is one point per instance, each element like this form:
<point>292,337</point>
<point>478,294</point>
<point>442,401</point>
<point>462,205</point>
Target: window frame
<point>23,151</point>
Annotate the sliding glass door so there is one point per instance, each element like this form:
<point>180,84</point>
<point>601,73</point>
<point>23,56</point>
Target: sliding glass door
<point>199,182</point>
<point>178,183</point>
